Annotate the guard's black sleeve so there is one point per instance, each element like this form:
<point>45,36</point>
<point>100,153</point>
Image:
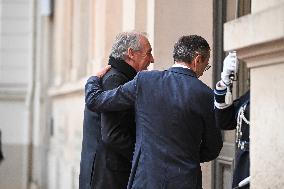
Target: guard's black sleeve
<point>226,118</point>
<point>225,115</point>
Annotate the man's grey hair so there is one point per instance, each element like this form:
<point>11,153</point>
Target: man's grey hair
<point>126,40</point>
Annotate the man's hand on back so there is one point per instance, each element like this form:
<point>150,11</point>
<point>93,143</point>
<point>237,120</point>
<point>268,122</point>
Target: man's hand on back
<point>103,71</point>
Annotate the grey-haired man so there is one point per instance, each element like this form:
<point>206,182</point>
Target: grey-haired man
<point>108,138</point>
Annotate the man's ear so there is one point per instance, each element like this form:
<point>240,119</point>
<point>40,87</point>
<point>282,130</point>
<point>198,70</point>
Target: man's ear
<point>196,61</point>
<point>198,58</point>
<point>130,53</point>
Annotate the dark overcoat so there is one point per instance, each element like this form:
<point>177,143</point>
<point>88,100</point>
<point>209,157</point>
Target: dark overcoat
<point>106,155</point>
<point>1,154</point>
<point>175,126</point>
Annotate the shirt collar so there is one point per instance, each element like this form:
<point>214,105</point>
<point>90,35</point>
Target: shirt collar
<point>177,65</point>
<point>181,70</point>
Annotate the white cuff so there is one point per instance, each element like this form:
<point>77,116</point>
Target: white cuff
<point>221,105</point>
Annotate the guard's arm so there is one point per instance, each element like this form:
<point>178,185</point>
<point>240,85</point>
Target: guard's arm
<point>224,105</point>
<point>224,113</point>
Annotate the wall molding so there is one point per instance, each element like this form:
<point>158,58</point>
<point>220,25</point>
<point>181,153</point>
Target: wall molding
<point>13,92</point>
<point>253,29</point>
<point>69,88</point>
<point>263,54</point>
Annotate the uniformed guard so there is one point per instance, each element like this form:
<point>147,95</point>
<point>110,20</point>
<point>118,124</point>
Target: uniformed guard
<point>234,115</point>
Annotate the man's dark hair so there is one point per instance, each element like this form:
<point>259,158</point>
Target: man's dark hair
<point>187,47</point>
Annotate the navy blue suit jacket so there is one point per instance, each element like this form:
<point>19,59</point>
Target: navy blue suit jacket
<point>175,126</point>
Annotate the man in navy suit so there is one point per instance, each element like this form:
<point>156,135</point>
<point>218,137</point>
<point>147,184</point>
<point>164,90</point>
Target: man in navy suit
<point>175,124</point>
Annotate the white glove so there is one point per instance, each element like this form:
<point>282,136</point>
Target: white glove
<point>230,66</point>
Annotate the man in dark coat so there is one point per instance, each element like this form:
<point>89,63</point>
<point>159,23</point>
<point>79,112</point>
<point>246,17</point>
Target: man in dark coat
<point>175,124</point>
<point>234,115</point>
<point>1,154</point>
<point>106,154</point>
